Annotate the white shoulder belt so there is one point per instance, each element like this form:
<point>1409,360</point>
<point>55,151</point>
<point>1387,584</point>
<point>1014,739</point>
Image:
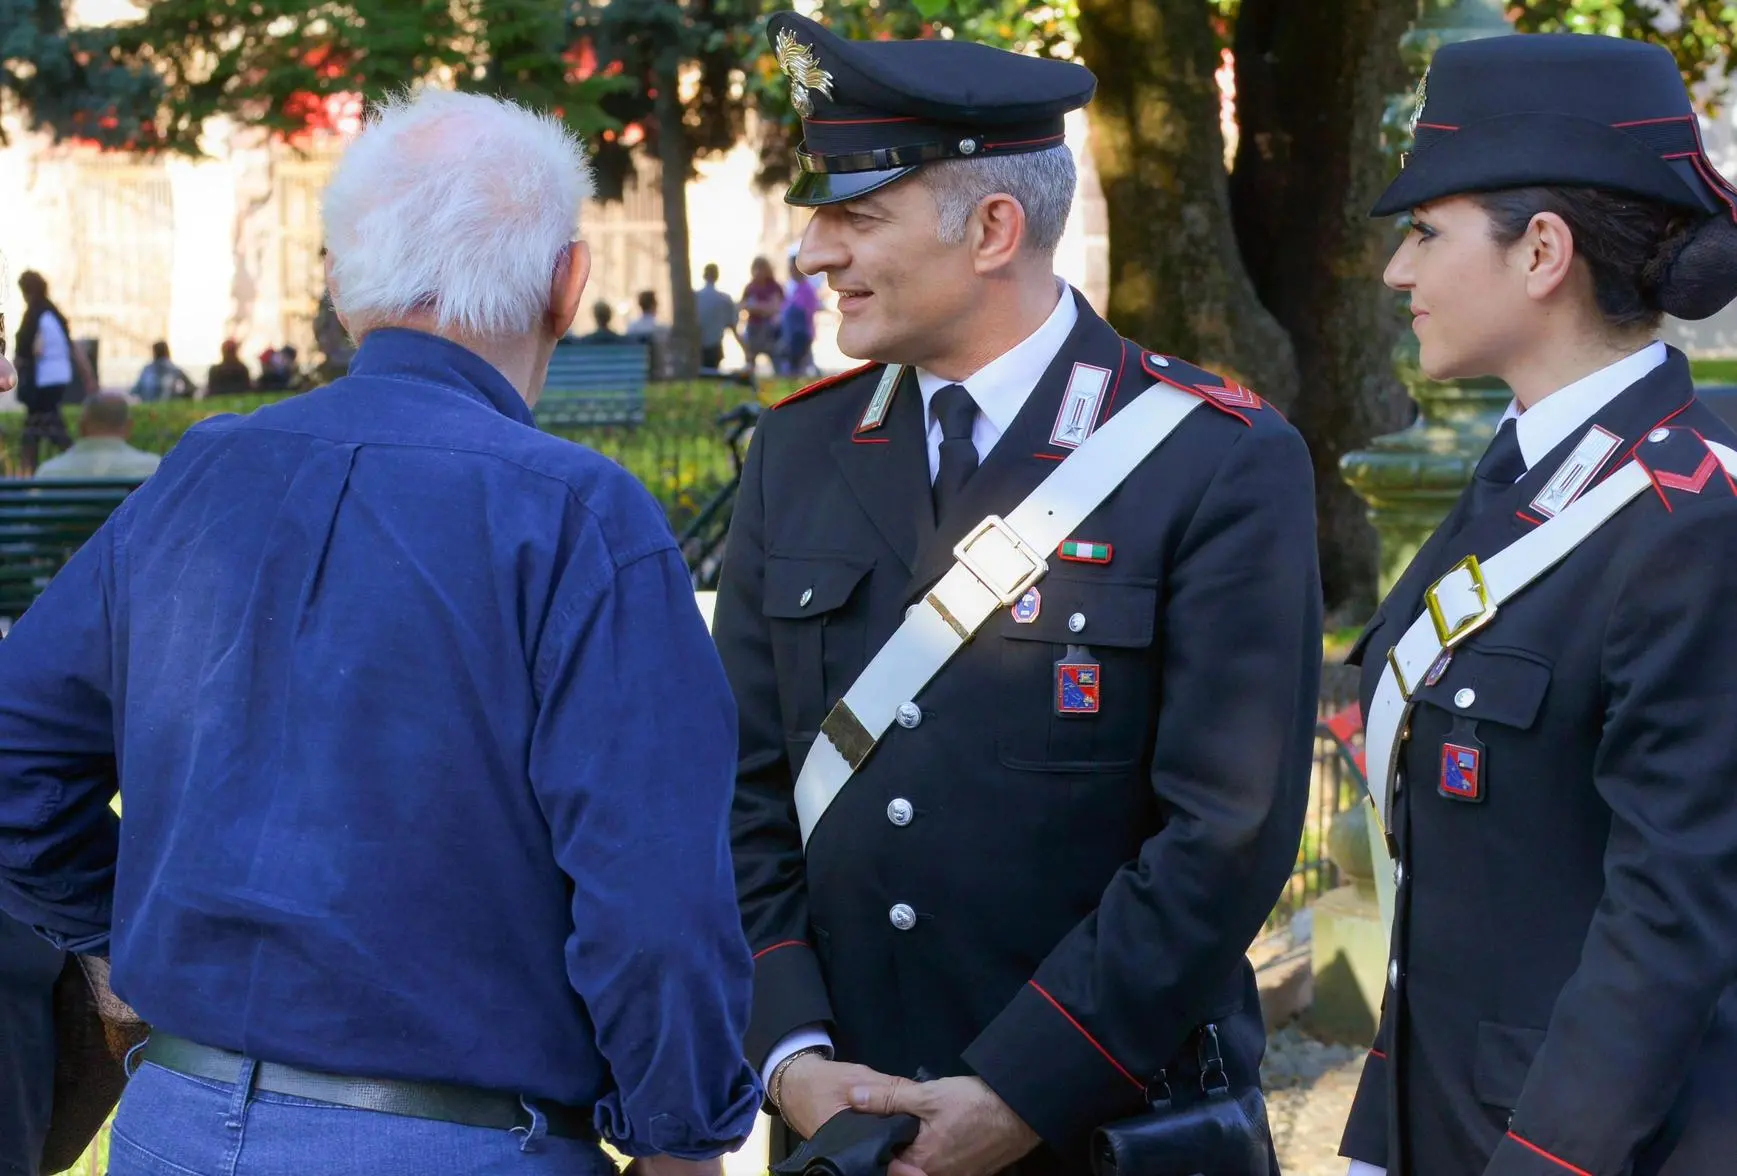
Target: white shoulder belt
<point>1466,599</point>
<point>997,563</point>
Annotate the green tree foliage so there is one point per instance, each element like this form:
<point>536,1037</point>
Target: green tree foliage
<point>73,83</point>
<point>1699,33</point>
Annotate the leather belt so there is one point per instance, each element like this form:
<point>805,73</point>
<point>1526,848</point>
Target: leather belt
<point>464,1105</point>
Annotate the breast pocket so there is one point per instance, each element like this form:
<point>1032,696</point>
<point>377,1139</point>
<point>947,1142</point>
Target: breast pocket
<point>1504,686</point>
<point>1053,721</point>
<point>818,636</point>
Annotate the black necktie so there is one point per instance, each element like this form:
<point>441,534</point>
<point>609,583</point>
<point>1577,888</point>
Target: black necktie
<point>957,413</point>
<point>1502,465</point>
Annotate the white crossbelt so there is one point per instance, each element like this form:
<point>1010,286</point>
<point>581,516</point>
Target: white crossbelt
<point>998,562</point>
<point>1466,599</point>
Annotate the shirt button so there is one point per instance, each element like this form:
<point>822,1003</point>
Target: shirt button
<point>900,812</point>
<point>1077,623</point>
<point>909,715</point>
<point>807,595</point>
<point>902,916</point>
<point>1392,970</point>
<point>1465,697</point>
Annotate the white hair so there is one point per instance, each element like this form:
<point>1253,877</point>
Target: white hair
<point>1042,181</point>
<point>454,204</point>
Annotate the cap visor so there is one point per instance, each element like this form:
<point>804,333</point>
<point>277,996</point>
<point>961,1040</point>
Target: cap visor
<point>1522,150</point>
<point>812,189</point>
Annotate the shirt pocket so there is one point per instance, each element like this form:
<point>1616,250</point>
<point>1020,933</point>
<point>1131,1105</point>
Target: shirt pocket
<point>1503,686</point>
<point>818,639</point>
<point>1116,622</point>
<point>1503,1059</point>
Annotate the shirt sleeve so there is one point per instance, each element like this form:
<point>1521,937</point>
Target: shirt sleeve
<point>58,835</point>
<point>633,762</point>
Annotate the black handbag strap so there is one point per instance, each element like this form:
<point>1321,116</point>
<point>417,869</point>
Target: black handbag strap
<point>1209,1058</point>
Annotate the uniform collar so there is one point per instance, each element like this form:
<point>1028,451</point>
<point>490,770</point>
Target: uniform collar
<point>1548,423</point>
<point>401,353</point>
<point>1001,386</point>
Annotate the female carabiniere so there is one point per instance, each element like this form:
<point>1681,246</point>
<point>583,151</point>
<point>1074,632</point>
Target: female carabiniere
<point>1550,690</point>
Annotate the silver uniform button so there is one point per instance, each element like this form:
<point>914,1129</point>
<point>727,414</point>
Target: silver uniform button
<point>1392,970</point>
<point>1077,623</point>
<point>807,595</point>
<point>909,715</point>
<point>1399,873</point>
<point>902,916</point>
<point>1658,435</point>
<point>1465,697</point>
<point>900,812</point>
<point>1160,361</point>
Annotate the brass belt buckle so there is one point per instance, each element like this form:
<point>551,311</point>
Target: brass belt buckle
<point>1003,563</point>
<point>1451,632</point>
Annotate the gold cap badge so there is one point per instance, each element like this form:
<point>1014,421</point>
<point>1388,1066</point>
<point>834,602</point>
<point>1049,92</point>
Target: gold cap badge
<point>799,62</point>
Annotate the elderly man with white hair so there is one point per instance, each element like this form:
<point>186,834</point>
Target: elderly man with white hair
<point>426,752</point>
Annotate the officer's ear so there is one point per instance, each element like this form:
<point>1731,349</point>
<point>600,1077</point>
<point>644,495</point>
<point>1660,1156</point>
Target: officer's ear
<point>997,233</point>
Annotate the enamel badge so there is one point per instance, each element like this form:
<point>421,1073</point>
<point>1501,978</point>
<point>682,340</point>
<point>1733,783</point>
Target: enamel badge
<point>1461,772</point>
<point>798,61</point>
<point>1077,687</point>
<point>1079,407</point>
<point>1026,608</point>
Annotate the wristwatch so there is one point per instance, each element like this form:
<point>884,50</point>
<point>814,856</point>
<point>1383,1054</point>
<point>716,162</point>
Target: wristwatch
<point>775,1088</point>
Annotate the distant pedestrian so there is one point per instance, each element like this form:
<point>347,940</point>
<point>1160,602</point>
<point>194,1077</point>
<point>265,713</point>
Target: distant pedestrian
<point>762,302</point>
<point>48,365</point>
<point>161,379</point>
<point>716,314</point>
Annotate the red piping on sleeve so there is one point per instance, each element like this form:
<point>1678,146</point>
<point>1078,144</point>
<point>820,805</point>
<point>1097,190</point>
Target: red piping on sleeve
<point>1532,1147</point>
<point>1138,1085</point>
<point>776,946</point>
<point>1375,1053</point>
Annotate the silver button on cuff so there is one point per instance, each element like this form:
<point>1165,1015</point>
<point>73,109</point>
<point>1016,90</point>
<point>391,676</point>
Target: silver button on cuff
<point>900,812</point>
<point>902,916</point>
<point>1077,623</point>
<point>909,715</point>
<point>1465,697</point>
<point>1392,968</point>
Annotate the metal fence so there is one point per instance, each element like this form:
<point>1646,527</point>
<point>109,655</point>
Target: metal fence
<point>1336,784</point>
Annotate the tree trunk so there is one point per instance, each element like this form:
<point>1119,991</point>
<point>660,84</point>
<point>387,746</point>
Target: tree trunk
<point>1177,282</point>
<point>676,158</point>
<point>1312,81</point>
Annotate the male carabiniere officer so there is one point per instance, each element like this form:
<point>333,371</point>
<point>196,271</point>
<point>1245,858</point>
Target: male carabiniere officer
<point>1042,880</point>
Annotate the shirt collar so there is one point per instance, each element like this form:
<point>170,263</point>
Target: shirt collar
<point>1548,423</point>
<point>417,355</point>
<point>1001,387</point>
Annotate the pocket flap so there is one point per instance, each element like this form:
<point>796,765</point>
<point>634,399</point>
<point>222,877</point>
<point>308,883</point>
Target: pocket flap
<point>1118,614</point>
<point>1504,1058</point>
<point>807,586</point>
<point>1505,686</point>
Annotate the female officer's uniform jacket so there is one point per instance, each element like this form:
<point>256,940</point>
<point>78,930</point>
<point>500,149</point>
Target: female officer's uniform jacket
<point>1565,933</point>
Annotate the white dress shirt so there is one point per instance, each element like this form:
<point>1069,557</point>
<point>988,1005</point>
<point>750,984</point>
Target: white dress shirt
<point>1000,389</point>
<point>1546,425</point>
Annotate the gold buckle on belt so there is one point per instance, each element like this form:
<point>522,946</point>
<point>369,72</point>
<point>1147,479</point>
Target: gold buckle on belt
<point>1452,634</point>
<point>1002,547</point>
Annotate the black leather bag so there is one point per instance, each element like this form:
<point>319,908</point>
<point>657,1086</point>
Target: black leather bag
<point>851,1143</point>
<point>1215,1132</point>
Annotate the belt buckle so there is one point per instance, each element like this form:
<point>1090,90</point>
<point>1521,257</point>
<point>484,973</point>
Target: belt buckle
<point>1453,633</point>
<point>1017,564</point>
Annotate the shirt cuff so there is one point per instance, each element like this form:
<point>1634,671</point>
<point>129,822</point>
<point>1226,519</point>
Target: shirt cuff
<point>803,1038</point>
<point>1359,1168</point>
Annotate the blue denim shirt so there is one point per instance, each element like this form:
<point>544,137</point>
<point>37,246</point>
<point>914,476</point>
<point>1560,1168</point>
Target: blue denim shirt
<point>426,753</point>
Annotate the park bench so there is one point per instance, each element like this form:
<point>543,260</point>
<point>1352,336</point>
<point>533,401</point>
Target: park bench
<point>41,525</point>
<point>595,384</point>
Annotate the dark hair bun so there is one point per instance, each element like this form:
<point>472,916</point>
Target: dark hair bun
<point>1694,273</point>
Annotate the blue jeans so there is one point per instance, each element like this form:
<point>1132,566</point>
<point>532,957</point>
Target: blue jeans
<point>173,1125</point>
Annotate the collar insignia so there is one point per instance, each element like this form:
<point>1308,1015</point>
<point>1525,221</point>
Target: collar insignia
<point>799,62</point>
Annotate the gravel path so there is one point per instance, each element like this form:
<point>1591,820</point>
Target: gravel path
<point>1309,1090</point>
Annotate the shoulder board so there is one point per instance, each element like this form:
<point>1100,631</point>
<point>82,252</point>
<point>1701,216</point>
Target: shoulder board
<point>822,384</point>
<point>1227,396</point>
<point>1680,463</point>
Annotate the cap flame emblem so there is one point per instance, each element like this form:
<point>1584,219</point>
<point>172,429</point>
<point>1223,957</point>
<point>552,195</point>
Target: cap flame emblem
<point>798,61</point>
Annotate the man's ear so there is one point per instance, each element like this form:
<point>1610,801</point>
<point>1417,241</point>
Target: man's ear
<point>332,291</point>
<point>997,232</point>
<point>567,286</point>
